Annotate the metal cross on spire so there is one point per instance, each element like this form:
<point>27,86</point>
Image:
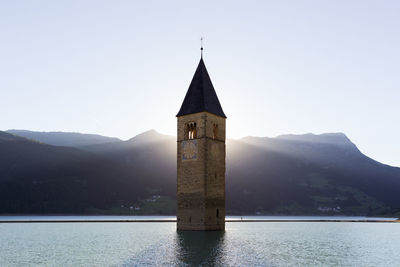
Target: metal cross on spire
<point>201,47</point>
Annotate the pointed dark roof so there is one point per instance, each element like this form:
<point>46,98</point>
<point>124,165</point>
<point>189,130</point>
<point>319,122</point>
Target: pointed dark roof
<point>201,95</point>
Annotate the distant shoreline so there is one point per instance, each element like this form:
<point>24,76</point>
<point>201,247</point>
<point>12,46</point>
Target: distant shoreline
<point>227,215</point>
<point>174,220</point>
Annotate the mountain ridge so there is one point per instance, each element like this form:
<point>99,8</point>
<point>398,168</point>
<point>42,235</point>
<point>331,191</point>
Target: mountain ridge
<point>60,138</point>
<point>263,175</point>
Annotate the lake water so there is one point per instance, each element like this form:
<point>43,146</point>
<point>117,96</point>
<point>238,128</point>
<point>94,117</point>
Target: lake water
<point>159,244</point>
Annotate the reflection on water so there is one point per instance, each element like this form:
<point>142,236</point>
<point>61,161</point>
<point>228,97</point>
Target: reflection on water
<point>196,248</point>
<point>159,244</point>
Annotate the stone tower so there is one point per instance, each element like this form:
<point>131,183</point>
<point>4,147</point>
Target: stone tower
<point>201,157</point>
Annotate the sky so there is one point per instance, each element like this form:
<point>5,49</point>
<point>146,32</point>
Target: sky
<point>119,68</point>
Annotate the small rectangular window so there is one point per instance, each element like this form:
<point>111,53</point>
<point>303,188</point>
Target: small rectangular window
<point>215,131</point>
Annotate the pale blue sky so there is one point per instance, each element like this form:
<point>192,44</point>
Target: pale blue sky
<point>119,68</point>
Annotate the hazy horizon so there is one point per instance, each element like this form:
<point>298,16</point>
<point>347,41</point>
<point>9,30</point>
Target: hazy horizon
<point>171,135</point>
<point>282,67</point>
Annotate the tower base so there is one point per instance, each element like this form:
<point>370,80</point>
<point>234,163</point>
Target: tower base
<point>200,227</point>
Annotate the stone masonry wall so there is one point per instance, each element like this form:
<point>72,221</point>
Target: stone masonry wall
<point>201,181</point>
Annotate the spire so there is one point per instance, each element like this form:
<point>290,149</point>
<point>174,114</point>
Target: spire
<point>201,95</point>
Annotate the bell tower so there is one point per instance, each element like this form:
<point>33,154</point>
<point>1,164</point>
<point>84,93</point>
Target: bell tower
<point>201,157</point>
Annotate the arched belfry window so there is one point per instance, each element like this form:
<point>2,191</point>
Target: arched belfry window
<point>215,131</point>
<point>191,131</point>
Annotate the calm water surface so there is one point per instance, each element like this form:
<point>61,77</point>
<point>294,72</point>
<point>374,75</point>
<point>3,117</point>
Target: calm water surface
<point>159,244</point>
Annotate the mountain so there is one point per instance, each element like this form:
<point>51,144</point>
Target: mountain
<point>290,174</point>
<point>147,138</point>
<point>63,138</point>
<point>298,174</point>
<point>41,178</point>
